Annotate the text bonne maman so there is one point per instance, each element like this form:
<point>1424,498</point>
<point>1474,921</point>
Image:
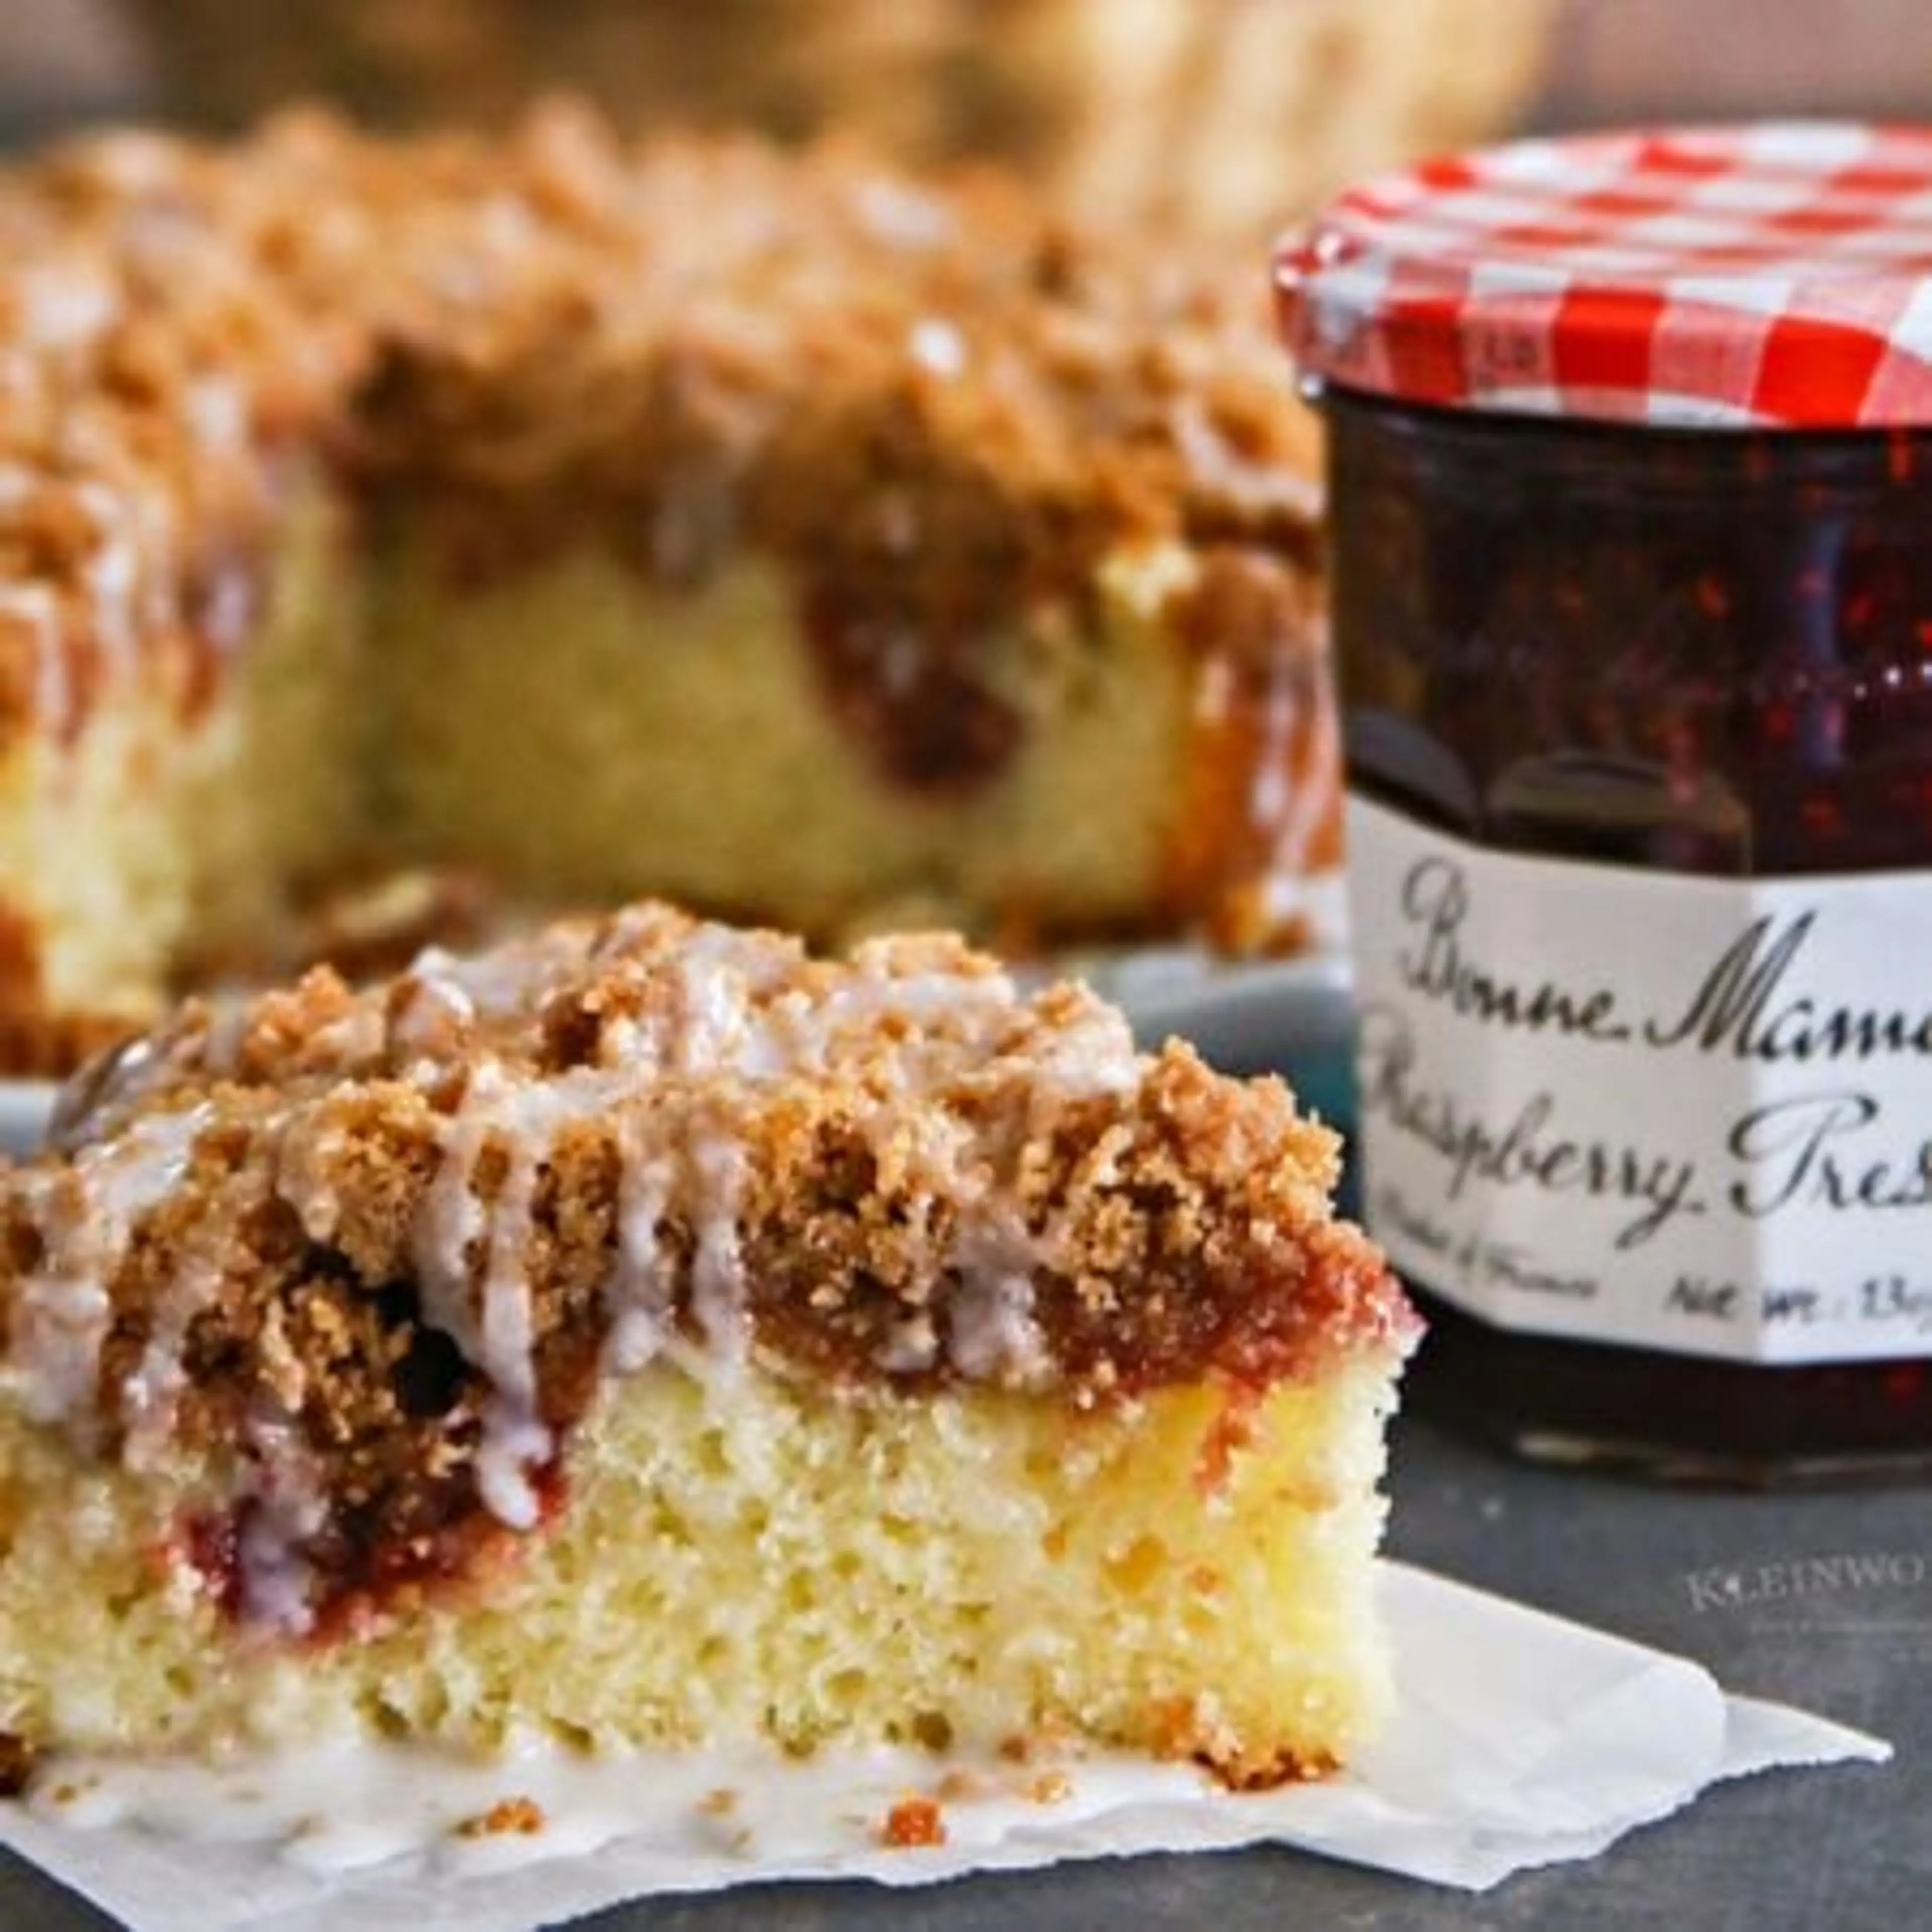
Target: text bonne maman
<point>1824,1146</point>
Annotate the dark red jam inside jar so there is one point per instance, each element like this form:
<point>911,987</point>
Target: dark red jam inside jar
<point>1705,653</point>
<point>1630,464</point>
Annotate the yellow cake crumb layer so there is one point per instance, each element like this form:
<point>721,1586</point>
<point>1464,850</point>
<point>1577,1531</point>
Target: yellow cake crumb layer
<point>155,836</point>
<point>569,742</point>
<point>749,1560</point>
<point>566,746</point>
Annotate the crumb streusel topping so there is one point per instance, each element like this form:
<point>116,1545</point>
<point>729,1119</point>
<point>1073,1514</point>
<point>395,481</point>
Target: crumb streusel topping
<point>691,341</point>
<point>366,1257</point>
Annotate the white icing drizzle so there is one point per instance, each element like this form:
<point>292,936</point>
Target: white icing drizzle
<point>288,1507</point>
<point>723,1014</point>
<point>431,1017</point>
<point>343,1806</point>
<point>990,1332</point>
<point>85,1216</point>
<point>1090,1055</point>
<point>113,572</point>
<point>151,1392</point>
<point>216,409</point>
<point>451,1217</point>
<point>63,307</point>
<point>938,347</point>
<point>495,985</point>
<point>991,1335</point>
<point>703,1023</point>
<point>1253,484</point>
<point>221,1045</point>
<point>125,529</point>
<point>493,1323</point>
<point>899,215</point>
<point>276,1578</point>
<point>716,1176</point>
<point>358,1038</point>
<point>36,606</point>
<point>643,1282</point>
<point>513,1442</point>
<point>912,1349</point>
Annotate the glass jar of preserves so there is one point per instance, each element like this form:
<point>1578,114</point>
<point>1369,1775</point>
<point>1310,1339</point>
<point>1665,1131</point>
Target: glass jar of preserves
<point>1630,461</point>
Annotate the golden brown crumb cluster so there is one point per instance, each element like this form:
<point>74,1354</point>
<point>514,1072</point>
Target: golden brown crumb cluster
<point>931,398</point>
<point>387,1244</point>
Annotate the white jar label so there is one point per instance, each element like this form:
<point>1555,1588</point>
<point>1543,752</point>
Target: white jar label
<point>1684,1113</point>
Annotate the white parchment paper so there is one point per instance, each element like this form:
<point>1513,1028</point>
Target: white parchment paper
<point>1520,1740</point>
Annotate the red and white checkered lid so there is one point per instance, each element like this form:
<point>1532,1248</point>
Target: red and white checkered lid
<point>1778,275</point>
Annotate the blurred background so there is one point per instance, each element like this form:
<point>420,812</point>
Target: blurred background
<point>1227,113</point>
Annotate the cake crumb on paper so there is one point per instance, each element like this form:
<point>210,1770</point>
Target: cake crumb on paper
<point>523,1816</point>
<point>915,1820</point>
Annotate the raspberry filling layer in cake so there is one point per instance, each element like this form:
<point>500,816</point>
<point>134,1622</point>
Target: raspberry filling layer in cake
<point>775,533</point>
<point>648,1334</point>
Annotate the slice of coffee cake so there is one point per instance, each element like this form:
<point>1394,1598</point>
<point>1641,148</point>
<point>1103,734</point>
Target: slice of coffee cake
<point>646,1333</point>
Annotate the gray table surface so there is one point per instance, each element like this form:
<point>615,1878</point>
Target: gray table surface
<point>1720,1578</point>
